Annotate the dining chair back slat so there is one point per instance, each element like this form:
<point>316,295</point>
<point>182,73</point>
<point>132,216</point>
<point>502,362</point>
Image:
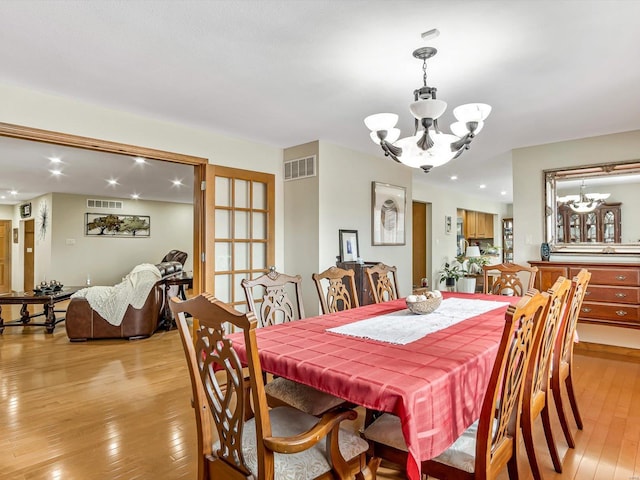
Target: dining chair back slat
<point>276,303</point>
<point>340,294</point>
<point>508,281</point>
<point>383,282</point>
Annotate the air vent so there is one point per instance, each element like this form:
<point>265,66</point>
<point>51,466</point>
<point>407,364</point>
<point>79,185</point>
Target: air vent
<point>300,168</point>
<point>102,204</point>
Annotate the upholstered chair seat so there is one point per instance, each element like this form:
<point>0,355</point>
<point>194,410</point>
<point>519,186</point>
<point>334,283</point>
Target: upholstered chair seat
<point>303,397</point>
<point>306,465</point>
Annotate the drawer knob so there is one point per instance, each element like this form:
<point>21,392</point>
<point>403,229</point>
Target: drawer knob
<point>586,309</point>
<point>587,293</point>
<point>621,277</point>
<point>621,295</point>
<point>621,313</point>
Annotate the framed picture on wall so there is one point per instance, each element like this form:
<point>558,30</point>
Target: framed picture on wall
<point>349,248</point>
<point>447,224</point>
<point>388,203</point>
<point>25,210</point>
<point>112,225</point>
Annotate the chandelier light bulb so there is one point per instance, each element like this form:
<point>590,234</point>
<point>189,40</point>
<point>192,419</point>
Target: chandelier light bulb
<point>381,121</point>
<point>428,109</point>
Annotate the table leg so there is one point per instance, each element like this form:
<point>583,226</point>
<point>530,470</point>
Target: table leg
<point>24,314</point>
<point>50,315</point>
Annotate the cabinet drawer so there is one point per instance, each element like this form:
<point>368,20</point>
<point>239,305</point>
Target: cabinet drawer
<point>597,293</point>
<point>611,276</point>
<point>610,311</point>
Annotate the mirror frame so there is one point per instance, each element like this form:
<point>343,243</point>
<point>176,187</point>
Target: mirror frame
<point>551,178</point>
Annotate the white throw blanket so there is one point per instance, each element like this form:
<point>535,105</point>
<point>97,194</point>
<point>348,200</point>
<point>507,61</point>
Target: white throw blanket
<point>112,302</point>
<point>404,327</point>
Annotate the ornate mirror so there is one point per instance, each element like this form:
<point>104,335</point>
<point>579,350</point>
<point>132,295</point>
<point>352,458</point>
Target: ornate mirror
<point>593,209</point>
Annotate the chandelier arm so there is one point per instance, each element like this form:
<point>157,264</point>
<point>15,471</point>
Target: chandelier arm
<point>462,143</point>
<point>391,150</point>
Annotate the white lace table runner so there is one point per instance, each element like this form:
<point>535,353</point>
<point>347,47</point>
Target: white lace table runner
<point>404,327</point>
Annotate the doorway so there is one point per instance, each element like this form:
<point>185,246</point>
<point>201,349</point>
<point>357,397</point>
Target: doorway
<point>29,255</point>
<point>420,244</point>
<point>5,256</point>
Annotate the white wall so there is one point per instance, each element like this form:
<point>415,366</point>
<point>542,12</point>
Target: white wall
<point>301,239</point>
<point>528,205</point>
<point>34,109</point>
<point>105,259</point>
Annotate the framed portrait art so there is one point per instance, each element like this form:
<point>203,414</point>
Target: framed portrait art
<point>388,203</point>
<point>349,248</point>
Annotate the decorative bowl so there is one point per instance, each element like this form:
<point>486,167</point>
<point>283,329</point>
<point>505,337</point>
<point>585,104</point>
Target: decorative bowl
<point>423,307</point>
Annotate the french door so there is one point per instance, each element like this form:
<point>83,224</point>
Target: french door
<point>240,226</point>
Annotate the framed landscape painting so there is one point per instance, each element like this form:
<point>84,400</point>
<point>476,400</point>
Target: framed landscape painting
<point>112,225</point>
<point>388,203</point>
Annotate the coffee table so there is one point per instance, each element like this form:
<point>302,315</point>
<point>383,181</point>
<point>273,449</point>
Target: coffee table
<point>48,300</point>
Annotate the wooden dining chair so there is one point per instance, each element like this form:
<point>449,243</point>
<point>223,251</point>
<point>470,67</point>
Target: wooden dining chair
<point>383,282</point>
<point>536,397</point>
<point>562,366</point>
<point>338,295</point>
<point>509,281</point>
<point>276,306</point>
<point>255,443</point>
<point>492,442</point>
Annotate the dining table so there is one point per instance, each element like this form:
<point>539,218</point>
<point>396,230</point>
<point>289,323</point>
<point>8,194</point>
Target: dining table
<point>379,357</point>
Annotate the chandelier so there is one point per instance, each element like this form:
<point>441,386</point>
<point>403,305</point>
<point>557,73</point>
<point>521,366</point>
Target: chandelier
<point>584,202</point>
<point>428,147</point>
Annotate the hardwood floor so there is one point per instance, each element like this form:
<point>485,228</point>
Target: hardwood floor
<point>121,410</point>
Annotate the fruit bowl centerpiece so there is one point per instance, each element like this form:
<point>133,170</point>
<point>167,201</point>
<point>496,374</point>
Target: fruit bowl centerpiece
<point>424,304</point>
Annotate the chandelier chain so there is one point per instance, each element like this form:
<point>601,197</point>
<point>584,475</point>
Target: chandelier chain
<point>424,72</point>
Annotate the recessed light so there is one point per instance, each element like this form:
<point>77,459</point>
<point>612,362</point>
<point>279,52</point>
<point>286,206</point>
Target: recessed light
<point>140,160</point>
<point>13,192</point>
<point>483,186</point>
<point>176,183</point>
<point>135,196</point>
<point>55,173</point>
<point>453,177</point>
<point>55,160</point>
<point>2,197</point>
<point>112,181</point>
<point>503,192</point>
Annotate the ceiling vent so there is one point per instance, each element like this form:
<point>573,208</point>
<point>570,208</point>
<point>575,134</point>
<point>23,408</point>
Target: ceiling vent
<point>102,204</point>
<point>300,168</point>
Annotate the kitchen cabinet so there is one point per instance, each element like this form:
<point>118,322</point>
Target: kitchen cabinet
<point>478,224</point>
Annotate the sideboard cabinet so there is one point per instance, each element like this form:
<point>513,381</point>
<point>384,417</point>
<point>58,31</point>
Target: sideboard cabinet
<point>365,296</point>
<point>613,293</point>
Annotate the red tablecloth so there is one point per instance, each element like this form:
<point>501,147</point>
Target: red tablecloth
<point>435,384</point>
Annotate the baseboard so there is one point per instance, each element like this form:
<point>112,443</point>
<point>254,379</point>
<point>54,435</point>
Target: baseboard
<point>587,347</point>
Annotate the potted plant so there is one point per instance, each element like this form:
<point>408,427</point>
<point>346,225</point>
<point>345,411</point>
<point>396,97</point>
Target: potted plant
<point>449,274</point>
<point>471,267</point>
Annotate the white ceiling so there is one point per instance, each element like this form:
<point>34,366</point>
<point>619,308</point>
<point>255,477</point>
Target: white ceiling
<point>289,72</point>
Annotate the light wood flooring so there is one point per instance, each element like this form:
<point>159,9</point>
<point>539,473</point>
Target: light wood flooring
<point>121,410</point>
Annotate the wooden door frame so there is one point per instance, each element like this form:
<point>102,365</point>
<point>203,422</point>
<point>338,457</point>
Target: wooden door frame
<point>9,247</point>
<point>199,164</point>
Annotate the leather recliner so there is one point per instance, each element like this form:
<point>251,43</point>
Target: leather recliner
<point>83,323</point>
